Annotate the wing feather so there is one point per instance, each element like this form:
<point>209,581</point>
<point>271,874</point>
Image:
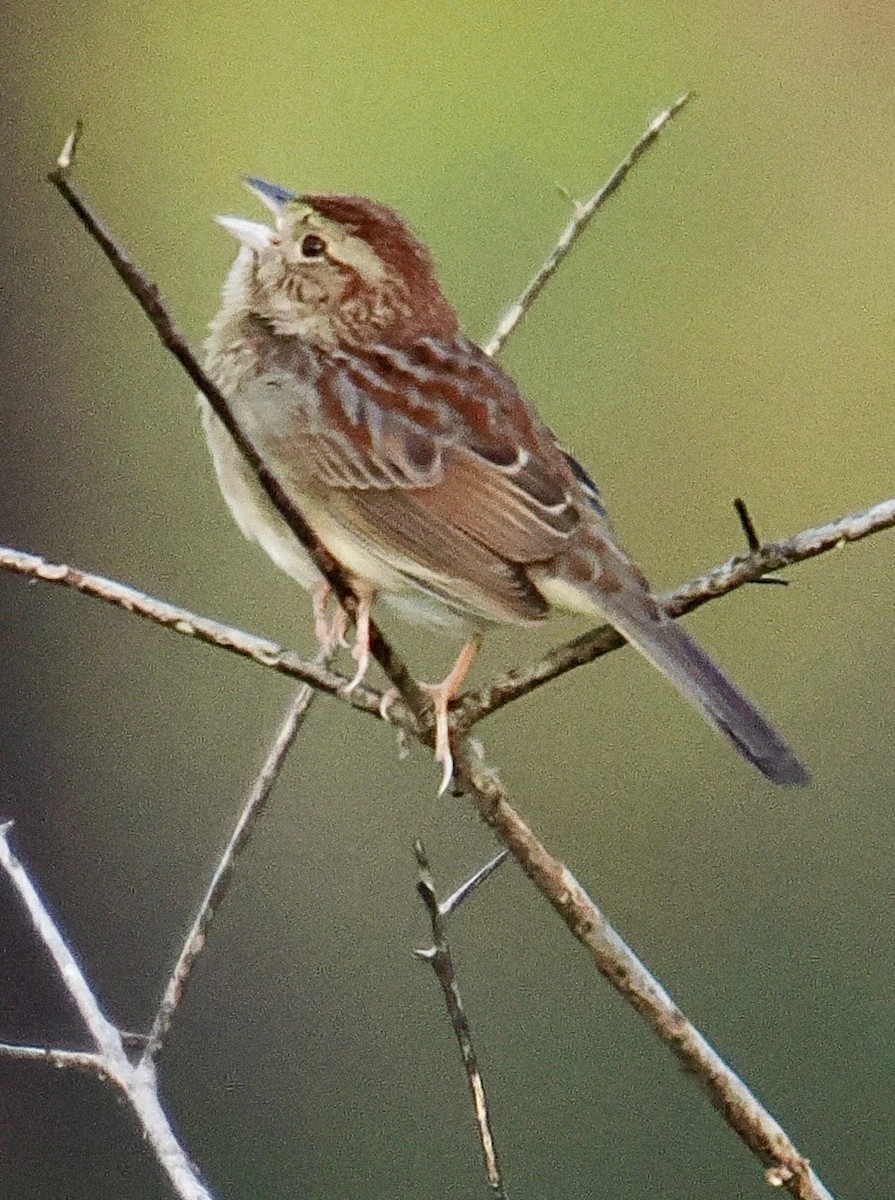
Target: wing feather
<point>430,456</point>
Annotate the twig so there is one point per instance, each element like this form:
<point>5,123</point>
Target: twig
<point>464,891</point>
<point>583,212</point>
<point>753,541</point>
<point>439,957</point>
<point>254,806</point>
<point>719,581</point>
<point>148,296</point>
<point>203,629</point>
<point>617,962</point>
<point>136,1083</point>
<point>79,1060</point>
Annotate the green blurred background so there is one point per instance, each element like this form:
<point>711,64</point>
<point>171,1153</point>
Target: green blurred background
<point>725,329</point>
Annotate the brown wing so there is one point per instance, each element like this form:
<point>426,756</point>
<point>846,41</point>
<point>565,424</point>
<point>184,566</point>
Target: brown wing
<point>430,454</point>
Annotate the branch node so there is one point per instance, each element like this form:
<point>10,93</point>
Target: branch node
<point>779,1175</point>
<point>753,541</point>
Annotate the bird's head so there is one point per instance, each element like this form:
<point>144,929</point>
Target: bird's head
<point>336,270</point>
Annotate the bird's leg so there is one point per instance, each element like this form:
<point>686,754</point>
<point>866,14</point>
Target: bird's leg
<point>339,627</point>
<point>360,651</point>
<point>323,630</point>
<point>442,694</point>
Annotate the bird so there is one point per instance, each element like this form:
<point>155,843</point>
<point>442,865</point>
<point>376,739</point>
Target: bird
<point>417,462</point>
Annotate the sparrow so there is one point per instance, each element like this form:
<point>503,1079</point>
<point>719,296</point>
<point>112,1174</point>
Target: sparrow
<point>416,460</point>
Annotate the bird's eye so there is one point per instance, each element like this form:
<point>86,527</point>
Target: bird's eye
<point>312,246</point>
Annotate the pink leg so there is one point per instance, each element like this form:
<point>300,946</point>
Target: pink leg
<point>360,651</point>
<point>320,593</point>
<point>442,694</point>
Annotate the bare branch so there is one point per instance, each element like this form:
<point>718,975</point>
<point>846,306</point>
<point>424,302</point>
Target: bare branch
<point>441,961</point>
<point>136,1083</point>
<point>79,1060</point>
<point>252,810</point>
<point>583,212</point>
<point>474,706</point>
<point>189,624</point>
<point>719,581</point>
<point>617,962</point>
<point>148,296</point>
<point>465,890</point>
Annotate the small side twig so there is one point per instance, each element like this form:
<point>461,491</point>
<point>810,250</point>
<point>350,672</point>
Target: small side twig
<point>753,541</point>
<point>136,1083</point>
<point>439,957</point>
<point>78,1060</point>
<point>583,212</point>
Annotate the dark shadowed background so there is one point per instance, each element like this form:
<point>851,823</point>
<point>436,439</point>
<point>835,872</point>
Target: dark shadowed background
<point>725,329</point>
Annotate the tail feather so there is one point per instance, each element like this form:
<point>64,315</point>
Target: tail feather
<point>685,664</point>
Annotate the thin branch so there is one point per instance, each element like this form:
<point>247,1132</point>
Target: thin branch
<point>136,1083</point>
<point>617,962</point>
<point>753,541</point>
<point>464,891</point>
<point>149,298</point>
<point>255,804</point>
<point>441,961</point>
<point>79,1060</point>
<point>576,227</point>
<point>190,624</point>
<point>719,581</point>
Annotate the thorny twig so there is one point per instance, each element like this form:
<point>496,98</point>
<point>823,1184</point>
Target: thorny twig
<point>440,959</point>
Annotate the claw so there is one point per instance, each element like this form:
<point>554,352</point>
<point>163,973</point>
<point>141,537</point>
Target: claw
<point>360,651</point>
<point>442,694</point>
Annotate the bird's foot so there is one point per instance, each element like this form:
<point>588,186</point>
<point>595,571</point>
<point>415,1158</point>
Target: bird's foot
<point>441,695</point>
<point>360,651</point>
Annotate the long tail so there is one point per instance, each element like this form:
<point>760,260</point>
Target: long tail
<point>683,661</point>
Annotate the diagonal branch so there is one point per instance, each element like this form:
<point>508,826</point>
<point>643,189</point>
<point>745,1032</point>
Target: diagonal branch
<point>252,810</point>
<point>474,706</point>
<point>189,624</point>
<point>148,296</point>
<point>623,969</point>
<point>441,960</point>
<point>583,213</point>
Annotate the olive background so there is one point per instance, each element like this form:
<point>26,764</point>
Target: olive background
<point>725,328</point>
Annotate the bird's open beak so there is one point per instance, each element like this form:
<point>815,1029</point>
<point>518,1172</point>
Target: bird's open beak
<point>271,195</point>
<point>251,233</point>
